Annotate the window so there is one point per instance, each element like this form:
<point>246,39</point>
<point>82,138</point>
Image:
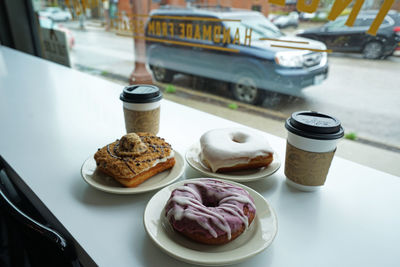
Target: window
<point>256,7</point>
<point>229,52</point>
<point>337,24</point>
<point>259,25</point>
<point>363,22</point>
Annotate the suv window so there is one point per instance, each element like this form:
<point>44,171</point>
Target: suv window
<point>260,27</point>
<point>366,21</point>
<point>363,22</point>
<point>159,28</point>
<point>184,29</point>
<point>210,30</point>
<point>336,24</point>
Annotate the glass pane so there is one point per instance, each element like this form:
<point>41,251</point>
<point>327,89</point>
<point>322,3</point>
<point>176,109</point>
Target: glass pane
<point>337,24</point>
<point>246,57</point>
<point>363,22</point>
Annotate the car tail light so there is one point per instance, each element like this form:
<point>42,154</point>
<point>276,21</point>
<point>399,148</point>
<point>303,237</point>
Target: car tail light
<point>397,30</point>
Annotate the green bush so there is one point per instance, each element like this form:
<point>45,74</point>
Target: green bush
<point>351,136</point>
<point>170,89</point>
<point>345,12</point>
<point>233,106</point>
<point>279,12</point>
<point>316,19</point>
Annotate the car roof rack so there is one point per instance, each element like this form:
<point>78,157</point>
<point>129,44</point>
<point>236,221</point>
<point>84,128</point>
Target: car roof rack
<point>213,7</point>
<point>197,6</point>
<point>173,7</point>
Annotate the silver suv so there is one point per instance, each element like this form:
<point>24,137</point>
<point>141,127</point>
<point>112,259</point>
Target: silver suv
<point>245,50</point>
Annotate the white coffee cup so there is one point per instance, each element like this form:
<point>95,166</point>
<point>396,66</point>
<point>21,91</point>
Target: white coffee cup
<point>141,104</point>
<point>311,144</point>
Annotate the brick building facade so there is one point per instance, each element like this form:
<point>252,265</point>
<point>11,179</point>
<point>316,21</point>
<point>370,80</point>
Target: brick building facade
<point>259,5</point>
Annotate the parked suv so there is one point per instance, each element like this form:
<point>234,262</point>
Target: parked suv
<point>233,53</point>
<point>341,38</point>
<point>284,21</point>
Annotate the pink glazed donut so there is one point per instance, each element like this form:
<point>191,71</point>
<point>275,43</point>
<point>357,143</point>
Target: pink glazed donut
<point>210,211</point>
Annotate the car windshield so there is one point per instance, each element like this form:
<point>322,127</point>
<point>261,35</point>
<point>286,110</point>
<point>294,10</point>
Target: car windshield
<point>261,27</point>
<point>338,23</point>
<point>46,23</point>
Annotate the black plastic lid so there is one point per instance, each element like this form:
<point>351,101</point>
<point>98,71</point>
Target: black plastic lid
<point>314,125</point>
<point>141,93</point>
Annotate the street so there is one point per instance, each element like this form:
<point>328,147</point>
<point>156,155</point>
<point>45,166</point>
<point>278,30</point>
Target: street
<point>101,50</point>
<point>363,94</point>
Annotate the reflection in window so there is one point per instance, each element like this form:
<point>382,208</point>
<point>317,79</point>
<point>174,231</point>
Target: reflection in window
<point>260,26</point>
<point>337,24</point>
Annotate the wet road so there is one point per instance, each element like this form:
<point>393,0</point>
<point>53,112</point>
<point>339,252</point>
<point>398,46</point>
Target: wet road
<point>101,50</point>
<point>364,94</point>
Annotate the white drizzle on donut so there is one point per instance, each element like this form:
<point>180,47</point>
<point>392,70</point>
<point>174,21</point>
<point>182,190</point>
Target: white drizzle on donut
<point>196,211</point>
<point>222,148</point>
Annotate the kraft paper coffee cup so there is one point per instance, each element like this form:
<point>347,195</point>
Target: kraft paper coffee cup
<point>141,105</point>
<point>311,145</point>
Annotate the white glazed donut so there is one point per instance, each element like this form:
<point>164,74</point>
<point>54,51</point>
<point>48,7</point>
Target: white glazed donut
<point>232,149</point>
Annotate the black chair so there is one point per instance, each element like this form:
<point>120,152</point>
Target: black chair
<point>26,239</point>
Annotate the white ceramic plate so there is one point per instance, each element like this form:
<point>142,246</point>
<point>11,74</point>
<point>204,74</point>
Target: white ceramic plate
<point>193,158</point>
<point>104,182</point>
<point>258,236</point>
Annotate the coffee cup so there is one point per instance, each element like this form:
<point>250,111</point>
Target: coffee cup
<point>141,104</point>
<point>311,144</point>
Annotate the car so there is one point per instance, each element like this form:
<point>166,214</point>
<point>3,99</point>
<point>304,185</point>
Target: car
<point>341,38</point>
<point>252,71</point>
<point>272,16</point>
<point>49,24</point>
<point>307,16</point>
<point>290,20</point>
<point>56,14</point>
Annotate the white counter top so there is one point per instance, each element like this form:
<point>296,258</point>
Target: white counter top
<point>53,118</point>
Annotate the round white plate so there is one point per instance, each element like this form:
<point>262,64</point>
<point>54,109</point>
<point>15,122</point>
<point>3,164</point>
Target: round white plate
<point>193,158</point>
<point>258,236</point>
<point>104,182</point>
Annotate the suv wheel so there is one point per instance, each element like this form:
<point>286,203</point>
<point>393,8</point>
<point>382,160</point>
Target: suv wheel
<point>373,50</point>
<point>162,74</point>
<point>244,89</point>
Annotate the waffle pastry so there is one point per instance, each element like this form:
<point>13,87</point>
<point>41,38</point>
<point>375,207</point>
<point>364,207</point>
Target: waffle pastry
<point>135,158</point>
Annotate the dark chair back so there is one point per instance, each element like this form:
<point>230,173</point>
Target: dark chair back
<point>26,238</point>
